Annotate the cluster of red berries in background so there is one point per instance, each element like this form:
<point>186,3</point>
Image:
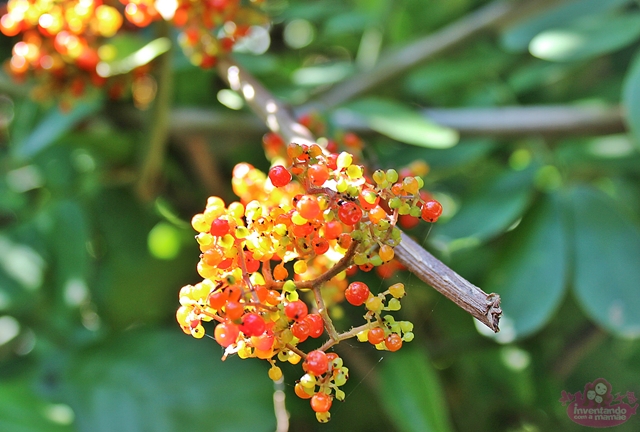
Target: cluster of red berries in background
<point>276,262</point>
<point>64,42</point>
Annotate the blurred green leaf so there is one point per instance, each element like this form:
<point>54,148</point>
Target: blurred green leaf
<point>396,121</point>
<point>70,236</point>
<point>128,273</point>
<point>54,125</point>
<point>491,209</point>
<point>631,99</point>
<point>531,271</point>
<point>607,252</point>
<point>518,36</point>
<point>164,381</point>
<point>21,410</point>
<point>586,38</point>
<point>411,393</point>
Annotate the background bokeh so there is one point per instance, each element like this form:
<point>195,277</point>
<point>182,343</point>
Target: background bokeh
<point>530,129</point>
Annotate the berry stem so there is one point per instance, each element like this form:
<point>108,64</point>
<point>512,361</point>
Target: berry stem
<point>344,336</point>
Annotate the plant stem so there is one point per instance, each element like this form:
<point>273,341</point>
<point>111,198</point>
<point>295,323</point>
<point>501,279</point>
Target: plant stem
<point>153,156</point>
<point>484,307</point>
<point>506,121</point>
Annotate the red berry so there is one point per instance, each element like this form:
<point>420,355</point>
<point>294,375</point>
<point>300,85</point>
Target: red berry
<point>252,325</point>
<point>318,174</point>
<point>431,210</point>
<point>357,293</point>
<point>252,264</point>
<point>321,402</point>
<point>279,176</point>
<point>296,310</point>
<point>320,245</point>
<point>300,330</point>
<point>226,333</point>
<point>234,310</point>
<point>219,227</point>
<point>316,325</point>
<point>376,335</point>
<point>349,213</point>
<point>308,207</point>
<point>217,299</point>
<point>316,362</point>
<point>263,342</point>
<point>408,221</point>
<point>393,342</point>
<point>332,230</point>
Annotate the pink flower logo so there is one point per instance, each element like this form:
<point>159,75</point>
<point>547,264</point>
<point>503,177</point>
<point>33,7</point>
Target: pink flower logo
<point>597,407</point>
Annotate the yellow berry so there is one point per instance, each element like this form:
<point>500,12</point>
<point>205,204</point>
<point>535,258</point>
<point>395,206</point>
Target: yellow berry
<point>386,253</point>
<point>275,373</point>
<point>300,267</point>
<point>373,303</point>
<point>199,223</point>
<point>397,290</point>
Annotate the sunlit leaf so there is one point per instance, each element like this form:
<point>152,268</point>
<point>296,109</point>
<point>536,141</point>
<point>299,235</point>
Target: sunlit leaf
<point>518,36</point>
<point>530,274</point>
<point>165,381</point>
<point>400,123</point>
<point>607,253</point>
<point>411,393</point>
<point>586,38</point>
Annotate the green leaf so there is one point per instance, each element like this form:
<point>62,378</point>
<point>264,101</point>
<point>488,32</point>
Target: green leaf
<point>54,125</point>
<point>166,381</point>
<point>138,58</point>
<point>530,275</point>
<point>400,123</point>
<point>631,99</point>
<point>607,250</point>
<point>489,210</point>
<point>128,270</point>
<point>411,393</point>
<point>518,37</point>
<point>586,38</point>
<point>22,410</point>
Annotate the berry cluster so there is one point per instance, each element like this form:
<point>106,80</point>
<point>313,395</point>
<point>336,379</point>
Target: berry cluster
<point>64,41</point>
<point>289,244</point>
<point>61,41</point>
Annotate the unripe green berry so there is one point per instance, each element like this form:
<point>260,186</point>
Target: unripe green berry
<point>392,176</point>
<point>289,286</point>
<point>407,337</point>
<point>394,304</point>
<point>415,211</point>
<point>395,202</point>
<point>404,209</point>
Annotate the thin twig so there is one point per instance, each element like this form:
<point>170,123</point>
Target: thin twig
<point>482,306</point>
<point>506,121</point>
<point>399,61</point>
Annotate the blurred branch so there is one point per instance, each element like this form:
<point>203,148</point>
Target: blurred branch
<point>482,306</point>
<point>270,110</point>
<point>396,62</point>
<point>153,154</point>
<point>509,121</point>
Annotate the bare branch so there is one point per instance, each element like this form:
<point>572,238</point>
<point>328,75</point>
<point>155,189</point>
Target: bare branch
<point>507,121</point>
<point>399,61</point>
<point>483,306</point>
